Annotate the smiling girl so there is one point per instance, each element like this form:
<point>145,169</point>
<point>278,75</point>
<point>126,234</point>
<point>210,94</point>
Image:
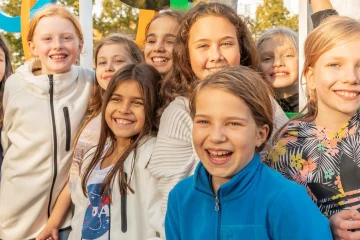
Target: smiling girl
<point>231,194</point>
<point>279,65</point>
<point>320,150</point>
<point>44,104</point>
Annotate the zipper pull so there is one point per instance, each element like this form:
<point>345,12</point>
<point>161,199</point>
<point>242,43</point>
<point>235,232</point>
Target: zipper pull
<point>217,206</point>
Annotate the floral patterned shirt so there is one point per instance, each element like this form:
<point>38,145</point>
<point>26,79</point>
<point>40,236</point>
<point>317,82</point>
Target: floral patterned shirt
<point>326,163</point>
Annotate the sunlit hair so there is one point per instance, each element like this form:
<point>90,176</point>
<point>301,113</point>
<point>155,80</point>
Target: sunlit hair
<point>332,32</point>
<point>95,102</point>
<point>283,32</point>
<point>8,71</point>
<point>147,79</point>
<point>245,84</point>
<point>179,81</point>
<point>176,15</point>
<point>52,10</point>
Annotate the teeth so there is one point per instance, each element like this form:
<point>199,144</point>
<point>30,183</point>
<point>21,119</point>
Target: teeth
<point>347,94</point>
<point>214,70</point>
<point>280,74</point>
<point>218,153</point>
<point>159,59</point>
<point>123,121</point>
<point>58,56</point>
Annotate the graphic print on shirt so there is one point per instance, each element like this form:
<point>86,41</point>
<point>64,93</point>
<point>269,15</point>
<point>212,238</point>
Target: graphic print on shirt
<point>97,216</point>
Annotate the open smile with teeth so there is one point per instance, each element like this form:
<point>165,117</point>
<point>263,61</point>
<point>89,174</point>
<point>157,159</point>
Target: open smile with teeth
<point>280,74</point>
<point>215,69</point>
<point>219,155</point>
<point>347,94</point>
<point>160,59</point>
<point>58,56</point>
<point>122,121</point>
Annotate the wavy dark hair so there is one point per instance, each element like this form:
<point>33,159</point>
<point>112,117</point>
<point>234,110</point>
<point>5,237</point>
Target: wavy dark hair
<point>8,71</point>
<point>147,79</point>
<point>180,80</point>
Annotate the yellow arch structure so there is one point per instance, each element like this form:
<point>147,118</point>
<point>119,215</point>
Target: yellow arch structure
<point>26,5</point>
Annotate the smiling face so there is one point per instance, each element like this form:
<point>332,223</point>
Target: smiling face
<point>110,58</point>
<point>279,62</point>
<point>336,79</point>
<point>125,113</point>
<point>225,133</point>
<point>212,48</point>
<point>2,64</point>
<point>56,44</point>
<point>160,42</point>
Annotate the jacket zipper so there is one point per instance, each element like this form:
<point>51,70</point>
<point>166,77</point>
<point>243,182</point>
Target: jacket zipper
<point>51,91</point>
<point>217,208</point>
<point>123,210</point>
<point>68,128</point>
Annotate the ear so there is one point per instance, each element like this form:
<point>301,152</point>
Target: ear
<point>310,81</point>
<point>32,48</point>
<point>81,44</point>
<point>261,134</point>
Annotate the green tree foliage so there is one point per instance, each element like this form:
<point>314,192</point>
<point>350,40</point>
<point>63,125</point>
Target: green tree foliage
<point>116,17</point>
<point>273,13</point>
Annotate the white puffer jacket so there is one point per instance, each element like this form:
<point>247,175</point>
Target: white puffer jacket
<point>42,115</point>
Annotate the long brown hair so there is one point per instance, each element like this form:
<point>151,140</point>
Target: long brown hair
<point>176,15</point>
<point>8,71</point>
<point>246,84</point>
<point>332,32</point>
<point>95,102</point>
<point>147,79</point>
<point>179,81</point>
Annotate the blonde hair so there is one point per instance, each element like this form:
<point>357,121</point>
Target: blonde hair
<point>50,11</point>
<point>284,32</point>
<point>332,32</point>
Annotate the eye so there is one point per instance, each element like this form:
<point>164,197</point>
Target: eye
<point>227,44</point>
<point>203,46</point>
<point>137,102</point>
<point>115,99</point>
<point>47,38</point>
<point>265,59</point>
<point>234,124</point>
<point>119,61</point>
<point>102,63</point>
<point>202,122</point>
<point>169,42</point>
<point>150,41</point>
<point>67,37</point>
<point>289,56</point>
<point>334,65</point>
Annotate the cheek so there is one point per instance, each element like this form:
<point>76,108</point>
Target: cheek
<point>233,58</point>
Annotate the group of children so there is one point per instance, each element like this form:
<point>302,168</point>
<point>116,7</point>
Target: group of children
<point>174,141</point>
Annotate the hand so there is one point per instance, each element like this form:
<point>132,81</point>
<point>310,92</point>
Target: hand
<point>48,233</point>
<point>344,221</point>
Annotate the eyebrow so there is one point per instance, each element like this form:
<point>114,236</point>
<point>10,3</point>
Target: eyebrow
<point>221,39</point>
<point>228,118</point>
<point>166,35</point>
<point>132,97</point>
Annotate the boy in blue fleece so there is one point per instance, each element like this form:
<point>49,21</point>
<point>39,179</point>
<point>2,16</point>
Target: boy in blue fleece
<point>231,194</point>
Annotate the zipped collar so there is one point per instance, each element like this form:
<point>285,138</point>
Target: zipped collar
<point>39,85</point>
<point>234,188</point>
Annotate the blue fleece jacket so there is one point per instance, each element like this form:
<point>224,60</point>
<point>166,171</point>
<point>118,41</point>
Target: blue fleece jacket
<point>247,207</point>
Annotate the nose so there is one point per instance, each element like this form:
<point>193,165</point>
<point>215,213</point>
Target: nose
<point>217,134</point>
<point>215,54</point>
<point>57,43</point>
<point>125,107</point>
<point>278,61</point>
<point>109,67</point>
<point>159,46</point>
<point>352,76</point>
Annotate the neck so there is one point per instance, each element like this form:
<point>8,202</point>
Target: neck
<point>338,119</point>
<point>217,182</point>
<point>121,144</point>
<point>286,91</point>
